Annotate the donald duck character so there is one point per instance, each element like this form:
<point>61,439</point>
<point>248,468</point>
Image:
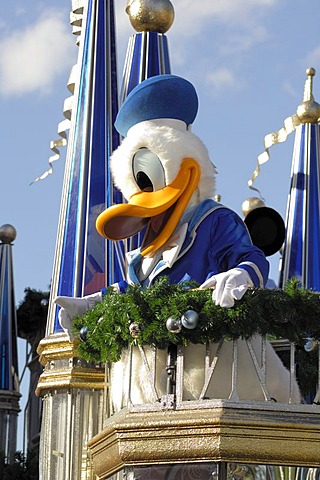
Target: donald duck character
<point>164,172</point>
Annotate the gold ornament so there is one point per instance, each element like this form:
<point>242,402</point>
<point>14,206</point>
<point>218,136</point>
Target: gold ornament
<point>150,15</point>
<point>250,204</point>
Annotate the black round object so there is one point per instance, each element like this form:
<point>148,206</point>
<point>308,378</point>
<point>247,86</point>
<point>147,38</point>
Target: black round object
<point>83,334</point>
<point>266,228</point>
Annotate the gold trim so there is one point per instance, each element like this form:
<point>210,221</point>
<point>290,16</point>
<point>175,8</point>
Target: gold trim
<point>56,347</point>
<point>56,377</point>
<point>74,377</point>
<point>255,433</point>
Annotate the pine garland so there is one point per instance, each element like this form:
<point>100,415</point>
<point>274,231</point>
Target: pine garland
<point>292,313</point>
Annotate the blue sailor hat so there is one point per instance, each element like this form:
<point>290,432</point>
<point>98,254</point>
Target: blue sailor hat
<point>161,96</point>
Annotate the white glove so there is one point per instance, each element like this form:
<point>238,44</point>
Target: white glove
<point>72,306</point>
<point>229,286</point>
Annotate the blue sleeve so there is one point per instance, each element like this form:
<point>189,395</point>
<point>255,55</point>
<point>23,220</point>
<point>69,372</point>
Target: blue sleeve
<point>122,286</point>
<point>233,248</point>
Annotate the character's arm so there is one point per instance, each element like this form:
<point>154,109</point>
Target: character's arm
<point>241,264</point>
<point>76,306</point>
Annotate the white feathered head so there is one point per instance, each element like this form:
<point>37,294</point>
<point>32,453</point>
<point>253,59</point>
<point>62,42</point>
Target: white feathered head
<point>161,167</point>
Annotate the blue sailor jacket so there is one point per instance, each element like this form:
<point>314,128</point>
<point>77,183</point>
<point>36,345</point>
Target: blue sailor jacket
<point>216,241</point>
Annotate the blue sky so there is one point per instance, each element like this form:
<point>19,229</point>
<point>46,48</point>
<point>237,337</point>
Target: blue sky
<point>246,58</point>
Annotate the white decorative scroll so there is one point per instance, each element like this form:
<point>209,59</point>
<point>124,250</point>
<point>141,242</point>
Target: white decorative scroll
<point>54,144</point>
<point>289,125</point>
<point>76,17</point>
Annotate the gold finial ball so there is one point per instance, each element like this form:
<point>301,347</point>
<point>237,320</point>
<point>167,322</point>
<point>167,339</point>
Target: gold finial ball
<point>7,233</point>
<point>309,112</point>
<point>250,204</point>
<point>310,72</point>
<point>150,15</point>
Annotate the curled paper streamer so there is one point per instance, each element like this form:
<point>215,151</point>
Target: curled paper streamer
<point>76,17</point>
<point>54,144</point>
<point>289,125</point>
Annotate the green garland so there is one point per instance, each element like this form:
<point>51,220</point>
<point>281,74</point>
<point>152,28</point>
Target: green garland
<point>292,313</point>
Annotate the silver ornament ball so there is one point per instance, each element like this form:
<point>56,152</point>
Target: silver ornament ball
<point>190,319</point>
<point>310,345</point>
<point>174,325</point>
<point>83,334</point>
<point>134,330</point>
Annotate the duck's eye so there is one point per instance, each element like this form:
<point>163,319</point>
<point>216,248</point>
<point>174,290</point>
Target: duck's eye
<point>148,170</point>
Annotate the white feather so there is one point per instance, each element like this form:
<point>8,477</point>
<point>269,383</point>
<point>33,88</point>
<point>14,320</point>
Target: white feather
<point>171,146</point>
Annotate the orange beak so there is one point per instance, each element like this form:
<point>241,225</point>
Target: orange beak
<point>161,209</point>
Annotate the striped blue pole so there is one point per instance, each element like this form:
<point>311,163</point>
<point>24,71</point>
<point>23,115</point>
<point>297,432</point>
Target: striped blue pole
<point>147,56</point>
<point>84,261</point>
<point>8,317</point>
<point>301,254</point>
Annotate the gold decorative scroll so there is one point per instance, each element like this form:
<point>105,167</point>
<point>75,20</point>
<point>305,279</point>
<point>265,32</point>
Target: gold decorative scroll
<point>289,125</point>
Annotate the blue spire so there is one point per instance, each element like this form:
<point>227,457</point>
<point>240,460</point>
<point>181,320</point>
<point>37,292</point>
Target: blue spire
<point>301,254</point>
<point>147,56</point>
<point>147,52</point>
<point>84,262</point>
<point>8,320</point>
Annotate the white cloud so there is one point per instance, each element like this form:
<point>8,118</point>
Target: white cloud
<point>244,41</point>
<point>223,79</point>
<point>291,90</point>
<point>31,59</point>
<point>191,16</point>
<point>214,28</point>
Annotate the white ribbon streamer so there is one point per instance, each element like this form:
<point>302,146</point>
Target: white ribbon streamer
<point>289,125</point>
<point>76,17</point>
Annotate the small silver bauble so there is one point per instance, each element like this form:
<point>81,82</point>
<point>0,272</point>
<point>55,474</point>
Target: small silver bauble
<point>174,325</point>
<point>190,319</point>
<point>134,330</point>
<point>310,345</point>
<point>44,302</point>
<point>83,334</point>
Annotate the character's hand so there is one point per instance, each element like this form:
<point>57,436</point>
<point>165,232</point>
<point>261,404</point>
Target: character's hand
<point>71,306</point>
<point>229,286</point>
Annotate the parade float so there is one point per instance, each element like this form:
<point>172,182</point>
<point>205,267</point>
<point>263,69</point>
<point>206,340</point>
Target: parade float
<point>159,380</point>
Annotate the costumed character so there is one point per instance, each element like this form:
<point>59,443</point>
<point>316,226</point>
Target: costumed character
<point>165,173</point>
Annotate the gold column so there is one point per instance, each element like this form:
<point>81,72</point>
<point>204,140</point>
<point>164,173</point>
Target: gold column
<point>72,393</point>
